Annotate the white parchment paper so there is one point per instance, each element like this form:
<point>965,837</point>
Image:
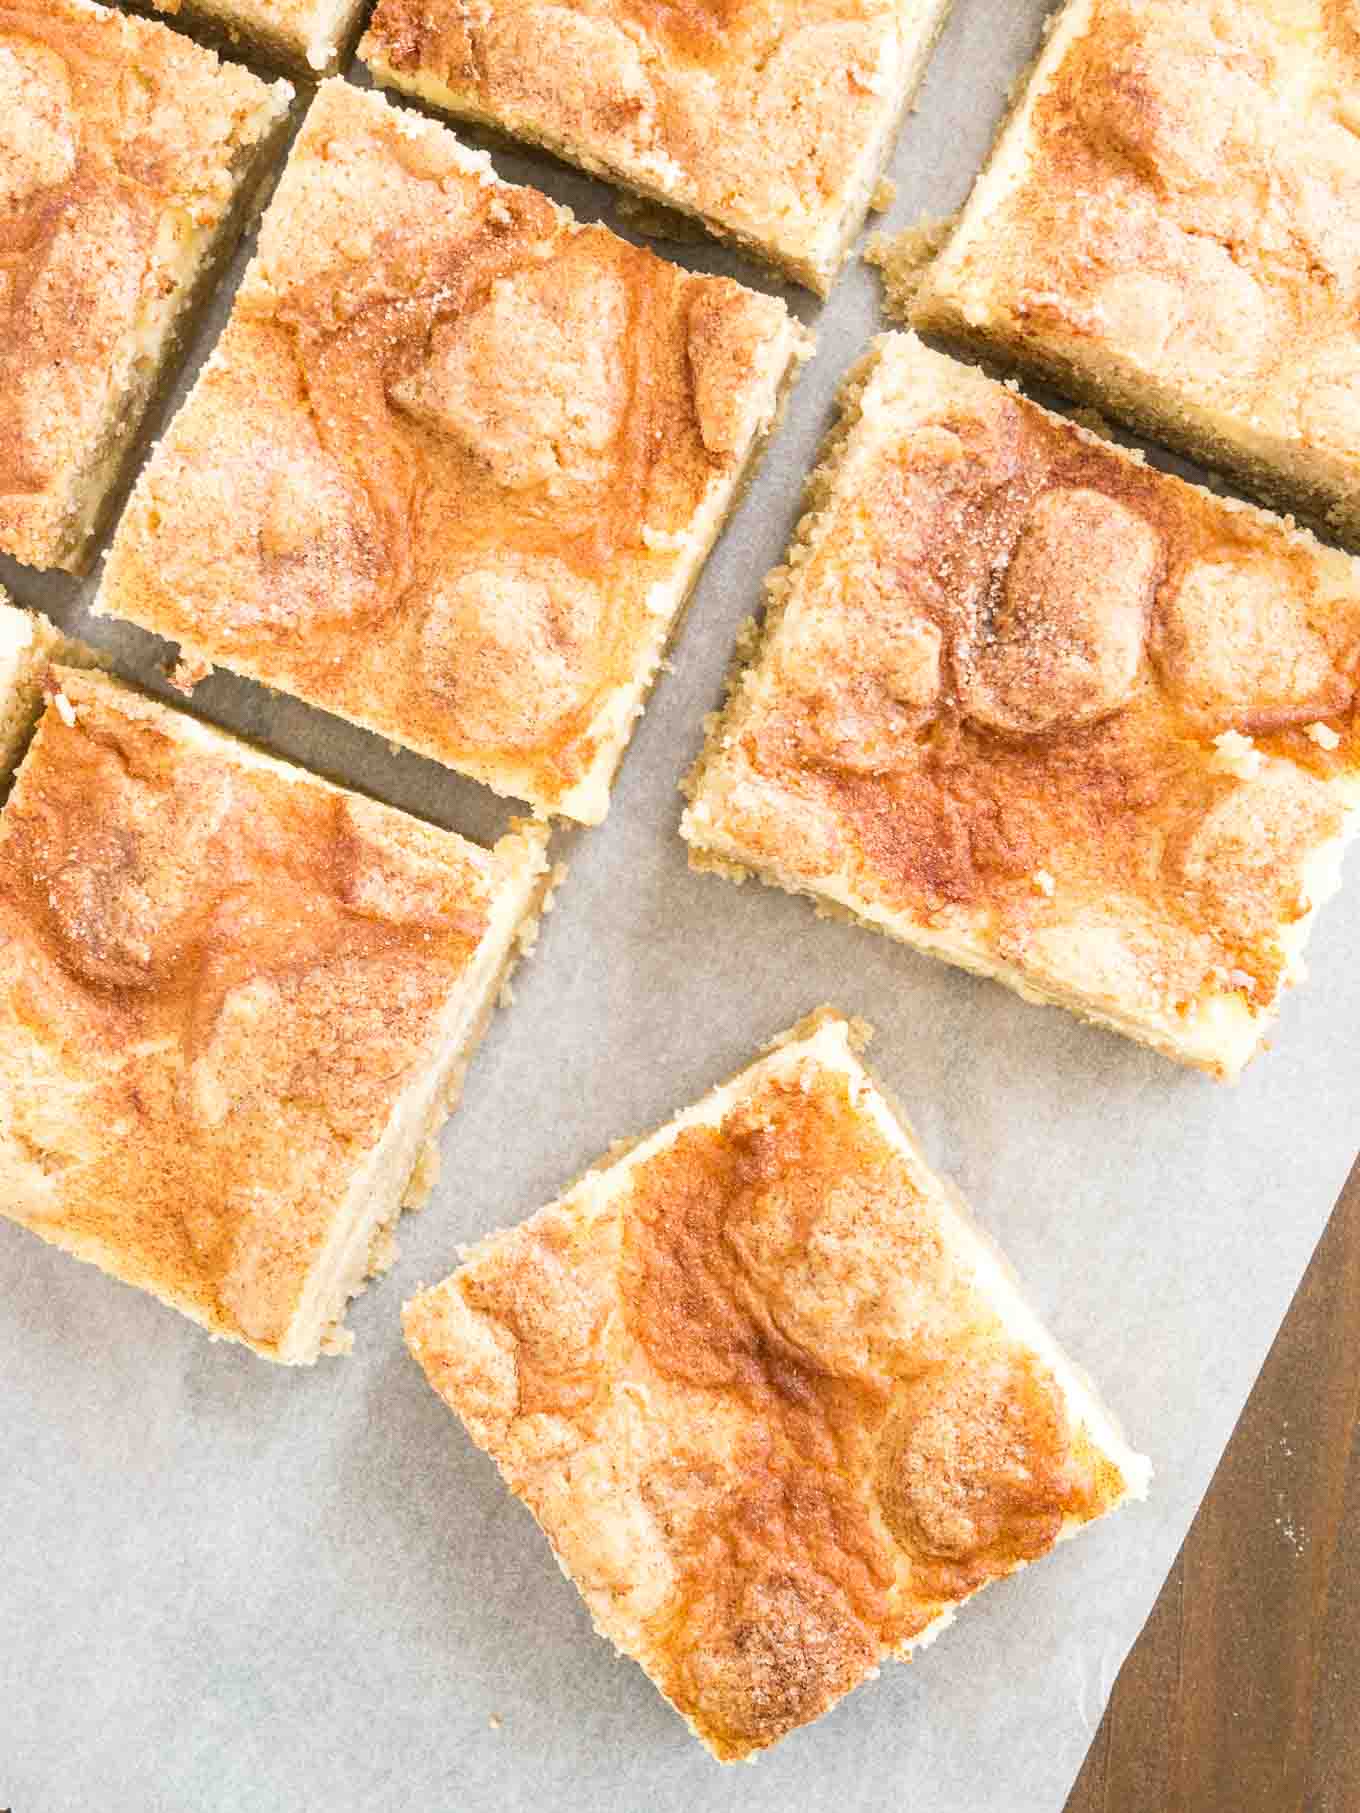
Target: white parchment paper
<point>230,1588</point>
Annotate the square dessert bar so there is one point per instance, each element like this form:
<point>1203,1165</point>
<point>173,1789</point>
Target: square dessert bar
<point>1044,712</point>
<point>126,163</point>
<point>235,1006</point>
<point>309,36</point>
<point>1169,227</point>
<point>776,1402</point>
<point>456,461</point>
<point>770,123</point>
<point>28,646</point>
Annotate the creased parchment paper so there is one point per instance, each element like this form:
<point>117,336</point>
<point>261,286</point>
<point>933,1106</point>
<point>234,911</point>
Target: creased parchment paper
<point>229,1588</point>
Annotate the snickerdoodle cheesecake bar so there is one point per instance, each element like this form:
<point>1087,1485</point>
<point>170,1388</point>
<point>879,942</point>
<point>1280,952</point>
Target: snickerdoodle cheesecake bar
<point>456,461</point>
<point>1040,710</point>
<point>307,36</point>
<point>128,157</point>
<point>235,1007</point>
<point>29,644</point>
<point>1169,227</point>
<point>770,123</point>
<point>776,1402</point>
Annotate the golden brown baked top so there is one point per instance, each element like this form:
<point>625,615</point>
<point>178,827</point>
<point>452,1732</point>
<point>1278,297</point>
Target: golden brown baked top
<point>753,1385</point>
<point>767,119</point>
<point>1021,688</point>
<point>448,456</point>
<point>216,977</point>
<point>1188,201</point>
<point>119,145</point>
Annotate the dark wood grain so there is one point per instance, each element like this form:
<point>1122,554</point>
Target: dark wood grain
<point>1243,1693</point>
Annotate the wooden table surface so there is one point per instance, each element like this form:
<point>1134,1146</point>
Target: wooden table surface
<point>1243,1693</point>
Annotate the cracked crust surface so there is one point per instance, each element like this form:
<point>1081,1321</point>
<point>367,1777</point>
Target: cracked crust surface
<point>124,149</point>
<point>1038,709</point>
<point>457,459</point>
<point>222,983</point>
<point>777,1406</point>
<point>1170,227</point>
<point>769,122</point>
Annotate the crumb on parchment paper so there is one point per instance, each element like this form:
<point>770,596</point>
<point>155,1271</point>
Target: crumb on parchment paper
<point>905,257</point>
<point>188,672</point>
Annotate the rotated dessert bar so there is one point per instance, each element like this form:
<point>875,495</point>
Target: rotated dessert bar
<point>456,461</point>
<point>1169,227</point>
<point>235,1006</point>
<point>776,1402</point>
<point>127,160</point>
<point>1040,710</point>
<point>769,123</point>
